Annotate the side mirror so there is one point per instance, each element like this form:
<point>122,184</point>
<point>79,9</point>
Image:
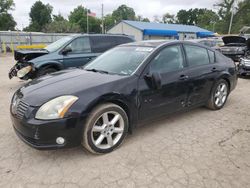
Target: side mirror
<point>66,50</point>
<point>154,80</point>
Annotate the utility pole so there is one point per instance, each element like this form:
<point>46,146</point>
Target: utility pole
<point>87,21</point>
<point>232,17</point>
<point>102,21</point>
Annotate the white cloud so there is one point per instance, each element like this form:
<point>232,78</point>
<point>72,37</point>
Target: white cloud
<point>146,8</point>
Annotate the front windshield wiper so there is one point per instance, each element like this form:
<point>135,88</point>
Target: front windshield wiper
<point>96,70</point>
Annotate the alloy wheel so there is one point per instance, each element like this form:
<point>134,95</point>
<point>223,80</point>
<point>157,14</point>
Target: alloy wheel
<point>220,96</point>
<point>107,130</point>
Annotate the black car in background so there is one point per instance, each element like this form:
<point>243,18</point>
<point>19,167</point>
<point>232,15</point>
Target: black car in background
<point>69,51</point>
<point>97,106</point>
<point>235,47</point>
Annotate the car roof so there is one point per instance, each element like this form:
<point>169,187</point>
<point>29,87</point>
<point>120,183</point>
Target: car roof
<point>116,35</point>
<point>149,43</point>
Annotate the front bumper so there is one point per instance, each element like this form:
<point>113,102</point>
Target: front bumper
<point>43,134</point>
<point>18,66</point>
<point>243,70</point>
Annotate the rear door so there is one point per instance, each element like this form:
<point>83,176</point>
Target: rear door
<point>201,72</point>
<point>81,53</point>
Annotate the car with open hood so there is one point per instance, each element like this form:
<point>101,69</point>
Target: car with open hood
<point>97,105</point>
<point>67,52</point>
<point>235,47</point>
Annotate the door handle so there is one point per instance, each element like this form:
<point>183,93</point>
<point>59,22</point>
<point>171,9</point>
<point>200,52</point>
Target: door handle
<point>184,77</point>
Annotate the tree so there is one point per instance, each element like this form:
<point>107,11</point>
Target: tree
<point>79,17</point>
<point>7,21</point>
<point>242,16</point>
<point>40,15</point>
<point>225,10</point>
<point>141,19</point>
<point>123,12</point>
<point>109,22</point>
<point>168,18</point>
<point>61,25</point>
<point>208,19</point>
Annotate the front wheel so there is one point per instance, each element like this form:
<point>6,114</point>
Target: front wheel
<point>105,128</point>
<point>219,95</point>
<point>45,71</point>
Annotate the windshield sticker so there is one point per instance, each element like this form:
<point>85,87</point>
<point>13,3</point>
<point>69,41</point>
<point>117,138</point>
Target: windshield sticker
<point>143,49</point>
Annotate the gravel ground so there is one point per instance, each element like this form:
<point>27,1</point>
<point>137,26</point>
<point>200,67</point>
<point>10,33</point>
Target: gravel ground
<point>200,148</point>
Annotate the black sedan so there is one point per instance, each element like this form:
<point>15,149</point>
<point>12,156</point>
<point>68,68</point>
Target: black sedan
<point>98,105</point>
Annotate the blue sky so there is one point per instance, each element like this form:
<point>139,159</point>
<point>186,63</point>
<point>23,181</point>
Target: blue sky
<point>146,8</point>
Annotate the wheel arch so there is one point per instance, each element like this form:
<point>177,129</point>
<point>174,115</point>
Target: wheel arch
<point>56,65</point>
<point>115,99</point>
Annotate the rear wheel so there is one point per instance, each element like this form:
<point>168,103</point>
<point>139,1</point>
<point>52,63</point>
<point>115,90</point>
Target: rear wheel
<point>219,95</point>
<point>105,128</point>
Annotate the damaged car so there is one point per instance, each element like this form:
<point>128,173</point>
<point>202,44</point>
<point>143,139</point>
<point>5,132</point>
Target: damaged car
<point>67,52</point>
<point>235,47</point>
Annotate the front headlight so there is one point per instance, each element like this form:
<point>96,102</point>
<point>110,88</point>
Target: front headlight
<point>22,72</point>
<point>56,108</point>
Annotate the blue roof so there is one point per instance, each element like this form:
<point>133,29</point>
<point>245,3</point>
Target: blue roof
<point>160,26</point>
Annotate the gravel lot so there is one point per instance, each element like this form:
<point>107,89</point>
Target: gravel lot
<point>201,148</point>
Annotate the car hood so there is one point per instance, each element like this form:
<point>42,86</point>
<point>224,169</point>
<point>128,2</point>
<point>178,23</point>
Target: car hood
<point>68,82</point>
<point>27,55</point>
<point>234,40</point>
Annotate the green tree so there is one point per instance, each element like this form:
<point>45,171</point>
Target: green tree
<point>123,12</point>
<point>40,16</point>
<point>79,17</point>
<point>208,19</point>
<point>141,19</point>
<point>242,16</point>
<point>224,11</point>
<point>7,21</point>
<point>61,25</point>
<point>168,18</point>
<point>109,22</point>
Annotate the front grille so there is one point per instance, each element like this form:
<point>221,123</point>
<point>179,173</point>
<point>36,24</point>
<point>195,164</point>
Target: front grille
<point>21,109</point>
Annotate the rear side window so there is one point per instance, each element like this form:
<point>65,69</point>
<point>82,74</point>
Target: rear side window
<point>211,56</point>
<point>101,44</point>
<point>122,40</point>
<point>196,55</point>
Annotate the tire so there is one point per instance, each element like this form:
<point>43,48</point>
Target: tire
<point>99,129</point>
<point>45,71</point>
<point>218,97</point>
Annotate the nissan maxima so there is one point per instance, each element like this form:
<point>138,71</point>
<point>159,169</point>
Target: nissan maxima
<point>98,105</point>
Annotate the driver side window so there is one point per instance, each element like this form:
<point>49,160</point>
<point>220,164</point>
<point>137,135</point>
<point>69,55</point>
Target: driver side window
<point>169,59</point>
<point>80,45</point>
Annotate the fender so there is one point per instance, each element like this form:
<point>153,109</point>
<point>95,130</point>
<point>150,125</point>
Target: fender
<point>57,64</point>
<point>118,99</point>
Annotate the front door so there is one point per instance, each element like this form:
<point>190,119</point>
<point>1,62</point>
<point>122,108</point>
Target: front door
<point>170,64</point>
<point>80,54</point>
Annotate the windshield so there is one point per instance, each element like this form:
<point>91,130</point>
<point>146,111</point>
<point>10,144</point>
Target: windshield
<point>120,60</point>
<point>58,44</point>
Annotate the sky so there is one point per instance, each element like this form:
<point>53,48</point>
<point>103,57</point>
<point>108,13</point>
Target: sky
<point>146,8</point>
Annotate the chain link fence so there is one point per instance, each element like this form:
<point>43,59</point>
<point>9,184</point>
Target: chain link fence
<point>10,40</point>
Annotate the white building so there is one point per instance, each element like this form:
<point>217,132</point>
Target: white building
<point>146,30</point>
